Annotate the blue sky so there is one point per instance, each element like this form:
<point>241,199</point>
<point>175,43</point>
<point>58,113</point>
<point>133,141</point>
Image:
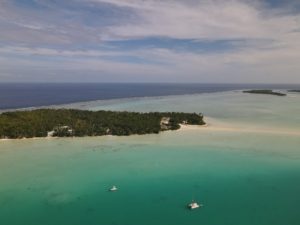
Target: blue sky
<point>234,41</point>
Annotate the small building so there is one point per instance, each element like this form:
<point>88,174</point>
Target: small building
<point>50,133</point>
<point>165,123</point>
<point>62,131</point>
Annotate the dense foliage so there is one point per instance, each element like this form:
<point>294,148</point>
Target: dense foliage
<point>71,122</point>
<point>268,92</point>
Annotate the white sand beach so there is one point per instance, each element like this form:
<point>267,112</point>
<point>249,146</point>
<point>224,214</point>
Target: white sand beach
<point>217,125</point>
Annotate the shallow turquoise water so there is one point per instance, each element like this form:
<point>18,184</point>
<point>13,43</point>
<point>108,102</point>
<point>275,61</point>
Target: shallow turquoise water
<point>241,178</point>
<point>233,107</point>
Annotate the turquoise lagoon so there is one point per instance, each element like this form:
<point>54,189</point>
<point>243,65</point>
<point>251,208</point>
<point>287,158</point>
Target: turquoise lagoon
<point>250,177</point>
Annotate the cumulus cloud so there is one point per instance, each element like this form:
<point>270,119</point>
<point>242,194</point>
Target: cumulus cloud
<point>204,19</point>
<point>98,37</point>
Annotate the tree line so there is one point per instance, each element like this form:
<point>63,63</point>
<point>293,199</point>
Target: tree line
<point>72,122</point>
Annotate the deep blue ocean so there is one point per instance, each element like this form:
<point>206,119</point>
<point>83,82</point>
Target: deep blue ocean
<point>21,95</point>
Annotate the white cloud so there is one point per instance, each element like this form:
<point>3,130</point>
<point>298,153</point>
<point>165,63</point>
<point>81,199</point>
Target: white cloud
<point>249,65</point>
<point>267,48</point>
<point>204,20</point>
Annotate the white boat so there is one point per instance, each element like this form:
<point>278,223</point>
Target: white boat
<point>194,205</point>
<point>113,188</point>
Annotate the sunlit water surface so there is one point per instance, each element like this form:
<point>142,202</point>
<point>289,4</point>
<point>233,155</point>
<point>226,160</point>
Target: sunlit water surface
<point>249,178</point>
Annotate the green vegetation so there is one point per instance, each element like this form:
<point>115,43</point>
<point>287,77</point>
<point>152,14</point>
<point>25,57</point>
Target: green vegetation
<point>71,122</point>
<point>267,92</point>
<point>293,90</point>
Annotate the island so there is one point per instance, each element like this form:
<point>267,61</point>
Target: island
<point>267,92</point>
<point>79,123</point>
<point>294,91</point>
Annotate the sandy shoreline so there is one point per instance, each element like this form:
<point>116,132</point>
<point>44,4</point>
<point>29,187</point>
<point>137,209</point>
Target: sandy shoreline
<point>212,125</point>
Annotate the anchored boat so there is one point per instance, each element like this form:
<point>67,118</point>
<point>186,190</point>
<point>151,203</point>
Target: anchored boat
<point>113,188</point>
<point>194,205</point>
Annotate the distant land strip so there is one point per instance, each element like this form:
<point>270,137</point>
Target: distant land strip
<point>267,92</point>
<point>293,90</point>
<point>79,123</point>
